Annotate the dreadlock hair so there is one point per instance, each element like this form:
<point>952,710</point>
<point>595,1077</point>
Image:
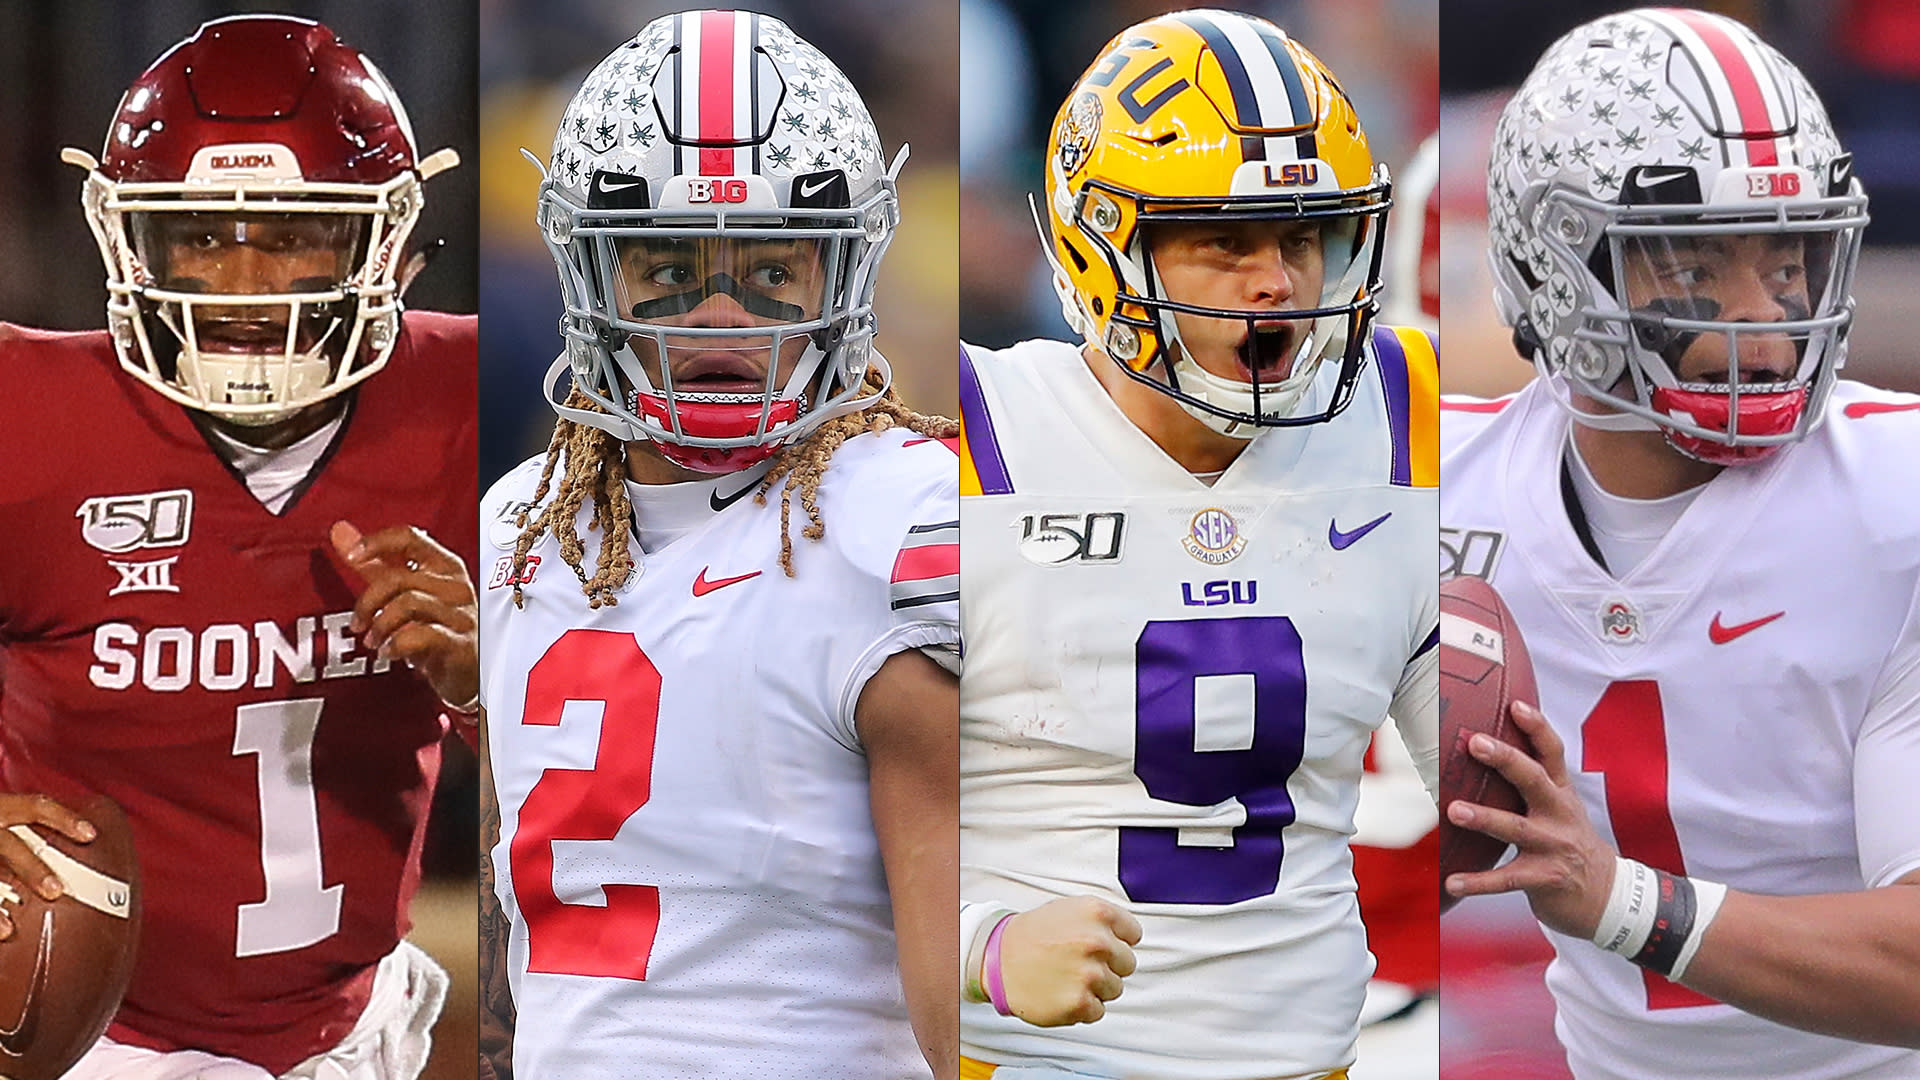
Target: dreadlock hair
<point>596,468</point>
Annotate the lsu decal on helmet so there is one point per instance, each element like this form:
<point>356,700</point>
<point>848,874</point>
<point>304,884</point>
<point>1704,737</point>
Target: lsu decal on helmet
<point>1206,117</point>
<point>252,205</point>
<point>717,206</point>
<point>1675,230</point>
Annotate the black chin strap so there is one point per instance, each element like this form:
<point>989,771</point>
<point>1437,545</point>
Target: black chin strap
<point>719,284</point>
<point>1577,514</point>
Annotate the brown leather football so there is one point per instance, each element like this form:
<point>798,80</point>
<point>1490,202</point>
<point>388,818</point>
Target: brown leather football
<point>1483,670</point>
<point>66,966</point>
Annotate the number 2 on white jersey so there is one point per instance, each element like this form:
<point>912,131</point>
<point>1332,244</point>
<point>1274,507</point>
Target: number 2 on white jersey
<point>603,672</point>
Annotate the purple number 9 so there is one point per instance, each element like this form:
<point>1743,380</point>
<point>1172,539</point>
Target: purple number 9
<point>1168,659</point>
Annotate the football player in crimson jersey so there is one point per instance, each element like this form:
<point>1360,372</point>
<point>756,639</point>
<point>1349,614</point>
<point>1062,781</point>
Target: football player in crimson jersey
<point>241,608</point>
<point>1715,559</point>
<point>1177,655</point>
<point>721,816</point>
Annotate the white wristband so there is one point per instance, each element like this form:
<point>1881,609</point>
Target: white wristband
<point>1708,896</point>
<point>977,921</point>
<point>1628,919</point>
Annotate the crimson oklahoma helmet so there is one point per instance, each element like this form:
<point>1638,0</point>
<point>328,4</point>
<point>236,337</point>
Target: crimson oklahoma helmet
<point>1641,143</point>
<point>717,207</point>
<point>252,205</point>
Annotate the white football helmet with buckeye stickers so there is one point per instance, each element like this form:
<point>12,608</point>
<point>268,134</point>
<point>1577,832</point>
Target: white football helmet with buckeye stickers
<point>1641,144</point>
<point>718,207</point>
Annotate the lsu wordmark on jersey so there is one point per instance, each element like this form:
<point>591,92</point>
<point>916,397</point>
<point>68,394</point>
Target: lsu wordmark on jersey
<point>1169,692</point>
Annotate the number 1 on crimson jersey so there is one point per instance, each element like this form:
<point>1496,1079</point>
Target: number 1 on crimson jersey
<point>603,672</point>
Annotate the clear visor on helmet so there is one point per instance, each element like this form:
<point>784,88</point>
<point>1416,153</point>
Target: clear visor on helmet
<point>1726,304</point>
<point>251,283</point>
<point>711,317</point>
<point>705,301</point>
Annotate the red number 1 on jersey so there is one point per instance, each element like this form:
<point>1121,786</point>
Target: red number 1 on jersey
<point>1625,739</point>
<point>603,671</point>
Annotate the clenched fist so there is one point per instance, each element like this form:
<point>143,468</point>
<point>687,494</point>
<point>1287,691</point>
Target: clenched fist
<point>1063,961</point>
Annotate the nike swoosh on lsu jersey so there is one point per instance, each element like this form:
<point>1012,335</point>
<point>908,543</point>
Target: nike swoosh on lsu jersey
<point>1341,541</point>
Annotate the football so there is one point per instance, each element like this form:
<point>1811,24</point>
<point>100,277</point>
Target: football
<point>66,966</point>
<point>1483,670</point>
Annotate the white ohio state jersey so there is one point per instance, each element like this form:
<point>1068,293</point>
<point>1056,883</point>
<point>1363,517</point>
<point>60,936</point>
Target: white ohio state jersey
<point>1168,694</point>
<point>687,853</point>
<point>1743,706</point>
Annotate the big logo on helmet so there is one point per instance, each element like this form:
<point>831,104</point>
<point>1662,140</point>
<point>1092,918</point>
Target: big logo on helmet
<point>716,191</point>
<point>1773,185</point>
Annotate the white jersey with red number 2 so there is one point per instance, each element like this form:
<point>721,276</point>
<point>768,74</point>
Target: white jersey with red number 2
<point>686,853</point>
<point>1743,706</point>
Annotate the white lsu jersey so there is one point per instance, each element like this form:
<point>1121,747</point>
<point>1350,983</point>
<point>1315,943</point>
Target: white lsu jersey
<point>1168,693</point>
<point>687,853</point>
<point>1743,706</point>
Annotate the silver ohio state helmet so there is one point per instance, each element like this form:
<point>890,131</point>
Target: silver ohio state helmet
<point>716,190</point>
<point>1652,135</point>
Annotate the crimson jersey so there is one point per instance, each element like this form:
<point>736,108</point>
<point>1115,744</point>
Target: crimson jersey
<point>167,641</point>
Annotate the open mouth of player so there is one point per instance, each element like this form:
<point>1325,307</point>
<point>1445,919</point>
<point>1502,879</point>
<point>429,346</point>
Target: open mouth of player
<point>1265,354</point>
<point>241,337</point>
<point>713,374</point>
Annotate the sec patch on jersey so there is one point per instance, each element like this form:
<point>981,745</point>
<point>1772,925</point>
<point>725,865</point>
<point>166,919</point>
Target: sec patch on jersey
<point>66,966</point>
<point>1484,669</point>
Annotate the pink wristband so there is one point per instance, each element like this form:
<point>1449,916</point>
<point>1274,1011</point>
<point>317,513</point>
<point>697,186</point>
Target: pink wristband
<point>990,970</point>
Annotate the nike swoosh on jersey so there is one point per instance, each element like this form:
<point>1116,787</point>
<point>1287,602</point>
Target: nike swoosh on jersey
<point>1720,635</point>
<point>718,504</point>
<point>1341,541</point>
<point>701,586</point>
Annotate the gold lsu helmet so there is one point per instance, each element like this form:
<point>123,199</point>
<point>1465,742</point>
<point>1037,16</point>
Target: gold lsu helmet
<point>1208,116</point>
